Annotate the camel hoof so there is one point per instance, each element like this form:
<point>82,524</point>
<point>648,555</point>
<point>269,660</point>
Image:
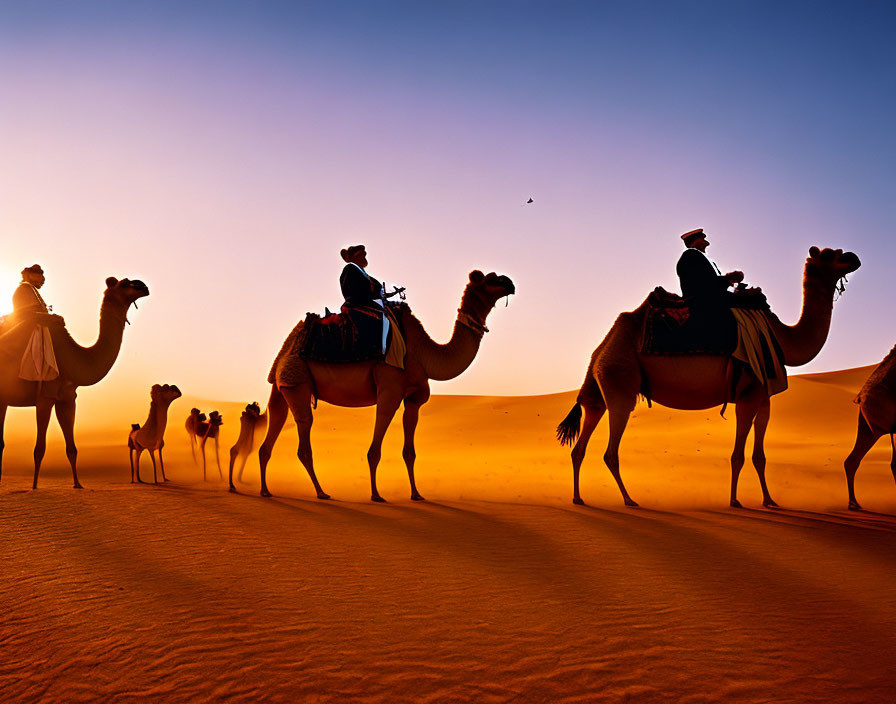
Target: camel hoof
<point>629,502</point>
<point>417,497</point>
<point>379,499</point>
<point>232,489</point>
<point>77,485</point>
<point>323,497</point>
<point>265,493</point>
<point>770,504</point>
<point>578,501</point>
<point>854,506</point>
<point>736,504</point>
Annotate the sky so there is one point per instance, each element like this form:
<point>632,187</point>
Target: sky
<point>225,152</point>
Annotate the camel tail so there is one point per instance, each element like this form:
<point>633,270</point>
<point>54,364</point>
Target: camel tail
<point>568,430</point>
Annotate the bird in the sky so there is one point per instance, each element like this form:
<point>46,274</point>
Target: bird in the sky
<point>529,201</point>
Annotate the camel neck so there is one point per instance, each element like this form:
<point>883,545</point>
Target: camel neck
<point>442,362</point>
<point>87,365</point>
<point>802,341</point>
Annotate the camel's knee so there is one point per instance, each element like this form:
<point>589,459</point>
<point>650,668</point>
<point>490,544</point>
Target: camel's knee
<point>409,454</point>
<point>373,455</point>
<point>759,460</point>
<point>611,459</point>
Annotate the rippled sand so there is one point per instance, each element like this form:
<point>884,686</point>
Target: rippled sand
<point>497,589</point>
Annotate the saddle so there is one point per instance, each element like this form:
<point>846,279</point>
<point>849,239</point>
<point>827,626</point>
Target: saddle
<point>685,326</point>
<point>353,335</point>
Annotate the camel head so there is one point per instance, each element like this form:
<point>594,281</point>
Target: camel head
<point>215,418</point>
<point>484,291</point>
<point>830,265</point>
<point>166,393</point>
<point>253,410</point>
<point>124,292</point>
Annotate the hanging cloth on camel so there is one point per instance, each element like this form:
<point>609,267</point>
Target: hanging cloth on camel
<point>758,349</point>
<point>39,360</point>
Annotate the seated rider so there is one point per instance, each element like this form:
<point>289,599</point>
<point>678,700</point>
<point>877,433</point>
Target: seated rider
<point>38,361</point>
<point>26,298</point>
<point>699,275</point>
<point>365,300</point>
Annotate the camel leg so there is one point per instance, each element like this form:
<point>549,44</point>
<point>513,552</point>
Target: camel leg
<point>386,406</point>
<point>619,416</point>
<point>193,446</point>
<point>2,444</point>
<point>155,476</point>
<point>892,459</point>
<point>44,410</point>
<point>865,439</point>
<point>745,411</point>
<point>593,414</point>
<point>234,452</point>
<point>65,415</point>
<point>243,458</point>
<point>298,398</point>
<point>131,458</point>
<point>162,465</point>
<point>760,425</point>
<point>409,420</point>
<point>139,451</point>
<point>202,447</point>
<point>277,411</point>
<point>218,458</point>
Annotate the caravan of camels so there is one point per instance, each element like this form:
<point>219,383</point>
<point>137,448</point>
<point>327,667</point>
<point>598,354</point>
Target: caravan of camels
<point>708,348</point>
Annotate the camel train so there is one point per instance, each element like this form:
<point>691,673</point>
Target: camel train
<point>618,372</point>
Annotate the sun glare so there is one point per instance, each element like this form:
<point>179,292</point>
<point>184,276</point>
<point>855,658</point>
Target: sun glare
<point>8,282</point>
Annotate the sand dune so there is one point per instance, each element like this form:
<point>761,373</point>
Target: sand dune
<point>497,589</point>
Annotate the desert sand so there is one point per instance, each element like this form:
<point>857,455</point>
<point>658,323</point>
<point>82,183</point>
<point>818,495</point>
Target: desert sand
<point>497,589</point>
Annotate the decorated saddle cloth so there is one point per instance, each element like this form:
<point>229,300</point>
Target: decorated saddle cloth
<point>353,335</point>
<point>736,327</point>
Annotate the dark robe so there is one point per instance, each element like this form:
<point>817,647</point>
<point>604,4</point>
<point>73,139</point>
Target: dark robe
<point>361,293</point>
<point>699,277</point>
<point>712,322</point>
<point>359,289</point>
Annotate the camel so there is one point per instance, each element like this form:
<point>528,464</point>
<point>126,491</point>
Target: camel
<point>375,383</point>
<point>193,420</point>
<point>151,435</point>
<point>78,366</point>
<point>210,429</point>
<point>877,417</point>
<point>617,373</point>
<point>252,421</point>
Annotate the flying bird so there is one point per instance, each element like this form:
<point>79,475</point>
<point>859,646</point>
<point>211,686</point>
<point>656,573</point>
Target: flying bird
<point>529,201</point>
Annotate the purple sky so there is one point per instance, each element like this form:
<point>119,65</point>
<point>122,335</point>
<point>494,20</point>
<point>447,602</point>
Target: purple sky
<point>225,152</point>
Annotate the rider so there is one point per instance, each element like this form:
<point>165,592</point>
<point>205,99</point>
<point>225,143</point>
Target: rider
<point>38,361</point>
<point>700,277</point>
<point>366,296</point>
<point>26,298</point>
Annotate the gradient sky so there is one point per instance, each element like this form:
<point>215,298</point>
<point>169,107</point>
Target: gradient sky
<point>225,152</point>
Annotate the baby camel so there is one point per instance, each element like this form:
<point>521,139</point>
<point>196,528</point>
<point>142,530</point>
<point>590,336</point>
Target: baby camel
<point>210,429</point>
<point>150,436</point>
<point>252,421</point>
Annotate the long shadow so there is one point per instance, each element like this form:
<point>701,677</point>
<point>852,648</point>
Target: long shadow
<point>809,518</point>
